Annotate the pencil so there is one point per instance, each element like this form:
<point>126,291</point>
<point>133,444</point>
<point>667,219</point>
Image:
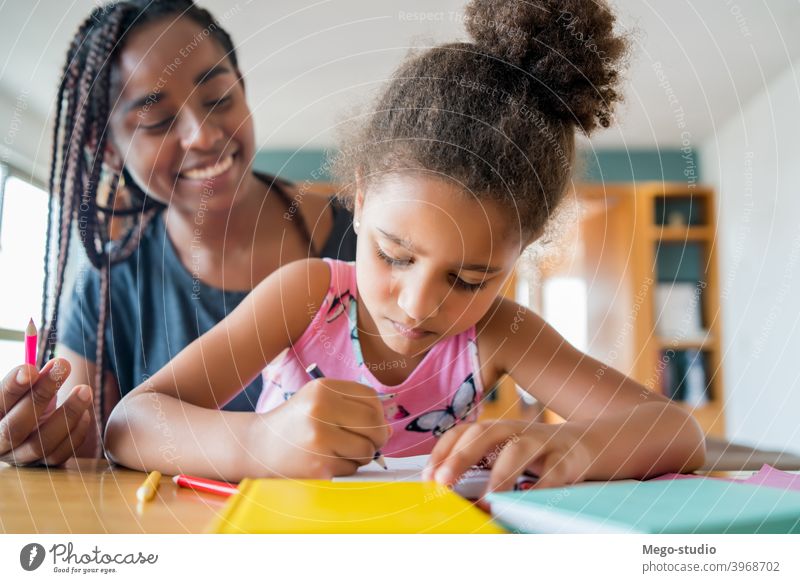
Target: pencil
<point>147,490</point>
<point>205,485</point>
<point>316,373</point>
<point>31,340</point>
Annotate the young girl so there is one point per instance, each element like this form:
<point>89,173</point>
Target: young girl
<point>455,171</point>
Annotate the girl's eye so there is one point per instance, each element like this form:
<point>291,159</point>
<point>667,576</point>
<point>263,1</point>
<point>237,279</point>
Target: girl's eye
<point>457,281</point>
<point>391,260</point>
<point>465,285</point>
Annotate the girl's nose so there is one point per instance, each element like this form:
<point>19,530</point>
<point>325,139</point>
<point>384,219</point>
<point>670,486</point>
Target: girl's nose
<point>419,299</point>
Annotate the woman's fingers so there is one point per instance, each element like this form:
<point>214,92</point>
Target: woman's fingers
<point>31,400</point>
<point>15,385</point>
<point>59,425</point>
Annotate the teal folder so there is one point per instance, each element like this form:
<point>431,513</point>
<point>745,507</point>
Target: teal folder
<point>699,505</point>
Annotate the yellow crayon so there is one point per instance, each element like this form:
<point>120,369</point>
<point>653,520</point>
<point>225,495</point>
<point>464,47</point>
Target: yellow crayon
<point>147,490</point>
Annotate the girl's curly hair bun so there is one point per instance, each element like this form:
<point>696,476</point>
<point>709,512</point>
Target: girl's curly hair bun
<point>568,46</point>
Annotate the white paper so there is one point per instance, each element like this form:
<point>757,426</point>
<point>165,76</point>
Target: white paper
<point>472,484</point>
<point>401,469</point>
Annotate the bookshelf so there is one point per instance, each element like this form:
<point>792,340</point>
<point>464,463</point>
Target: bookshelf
<point>635,241</point>
<point>654,245</point>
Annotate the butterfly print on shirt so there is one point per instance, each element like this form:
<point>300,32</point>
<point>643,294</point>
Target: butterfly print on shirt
<point>440,420</point>
<point>338,305</point>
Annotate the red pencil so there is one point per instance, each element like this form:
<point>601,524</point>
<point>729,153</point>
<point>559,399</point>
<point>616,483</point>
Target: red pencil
<point>205,485</point>
<point>31,340</point>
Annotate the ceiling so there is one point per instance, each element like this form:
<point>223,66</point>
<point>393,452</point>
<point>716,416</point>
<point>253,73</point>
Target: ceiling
<point>309,64</point>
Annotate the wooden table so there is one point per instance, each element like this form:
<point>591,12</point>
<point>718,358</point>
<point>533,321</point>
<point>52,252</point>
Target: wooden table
<point>724,456</point>
<point>90,496</point>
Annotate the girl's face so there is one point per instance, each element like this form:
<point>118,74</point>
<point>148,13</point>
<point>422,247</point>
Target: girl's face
<point>430,261</point>
<point>180,123</point>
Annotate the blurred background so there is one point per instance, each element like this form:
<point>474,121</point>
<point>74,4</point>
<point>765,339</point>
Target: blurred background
<point>678,250</point>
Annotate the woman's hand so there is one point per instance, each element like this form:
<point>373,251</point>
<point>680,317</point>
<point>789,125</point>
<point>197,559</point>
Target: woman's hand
<point>32,428</point>
<point>328,428</point>
<point>556,454</point>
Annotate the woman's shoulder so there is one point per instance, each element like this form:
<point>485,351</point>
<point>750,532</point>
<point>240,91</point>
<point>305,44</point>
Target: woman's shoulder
<point>327,223</point>
<point>330,225</point>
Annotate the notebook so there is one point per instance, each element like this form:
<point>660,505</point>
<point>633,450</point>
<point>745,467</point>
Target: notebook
<point>472,484</point>
<point>766,476</point>
<point>702,505</point>
<point>321,506</point>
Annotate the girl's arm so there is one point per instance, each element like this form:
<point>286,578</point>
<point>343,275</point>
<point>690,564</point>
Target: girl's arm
<point>171,421</point>
<point>615,427</point>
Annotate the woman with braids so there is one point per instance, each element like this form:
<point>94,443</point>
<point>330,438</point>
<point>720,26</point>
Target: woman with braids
<point>152,173</point>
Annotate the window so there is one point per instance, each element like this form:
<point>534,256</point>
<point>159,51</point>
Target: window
<point>23,224</point>
<point>566,308</point>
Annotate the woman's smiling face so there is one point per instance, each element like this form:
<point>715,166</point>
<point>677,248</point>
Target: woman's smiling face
<point>180,121</point>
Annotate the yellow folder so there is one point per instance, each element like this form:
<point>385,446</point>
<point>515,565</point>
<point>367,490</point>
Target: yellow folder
<point>320,506</point>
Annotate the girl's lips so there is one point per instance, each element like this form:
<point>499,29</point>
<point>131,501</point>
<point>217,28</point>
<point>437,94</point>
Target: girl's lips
<point>410,333</point>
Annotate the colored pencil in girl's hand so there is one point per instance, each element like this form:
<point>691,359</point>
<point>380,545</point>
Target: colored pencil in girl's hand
<point>31,341</point>
<point>316,373</point>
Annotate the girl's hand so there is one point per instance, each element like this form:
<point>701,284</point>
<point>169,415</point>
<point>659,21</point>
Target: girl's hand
<point>555,453</point>
<point>32,428</point>
<point>328,428</point>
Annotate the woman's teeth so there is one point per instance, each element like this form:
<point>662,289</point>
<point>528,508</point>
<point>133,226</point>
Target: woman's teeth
<point>209,171</point>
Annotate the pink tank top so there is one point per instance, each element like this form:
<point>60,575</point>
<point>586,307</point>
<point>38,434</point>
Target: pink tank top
<point>443,390</point>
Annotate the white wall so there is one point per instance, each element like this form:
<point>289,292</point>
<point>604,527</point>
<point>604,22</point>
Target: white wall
<point>754,161</point>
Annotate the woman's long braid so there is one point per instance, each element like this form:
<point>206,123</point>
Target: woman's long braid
<point>82,117</point>
<point>58,167</point>
<point>79,144</point>
<point>74,135</point>
<point>98,60</point>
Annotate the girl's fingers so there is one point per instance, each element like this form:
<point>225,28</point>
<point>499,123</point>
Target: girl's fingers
<point>512,462</point>
<point>354,447</point>
<point>475,443</point>
<point>442,449</point>
<point>71,443</point>
<point>56,429</point>
<point>344,404</point>
<point>364,422</point>
<point>343,467</point>
<point>354,393</point>
<point>554,470</point>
